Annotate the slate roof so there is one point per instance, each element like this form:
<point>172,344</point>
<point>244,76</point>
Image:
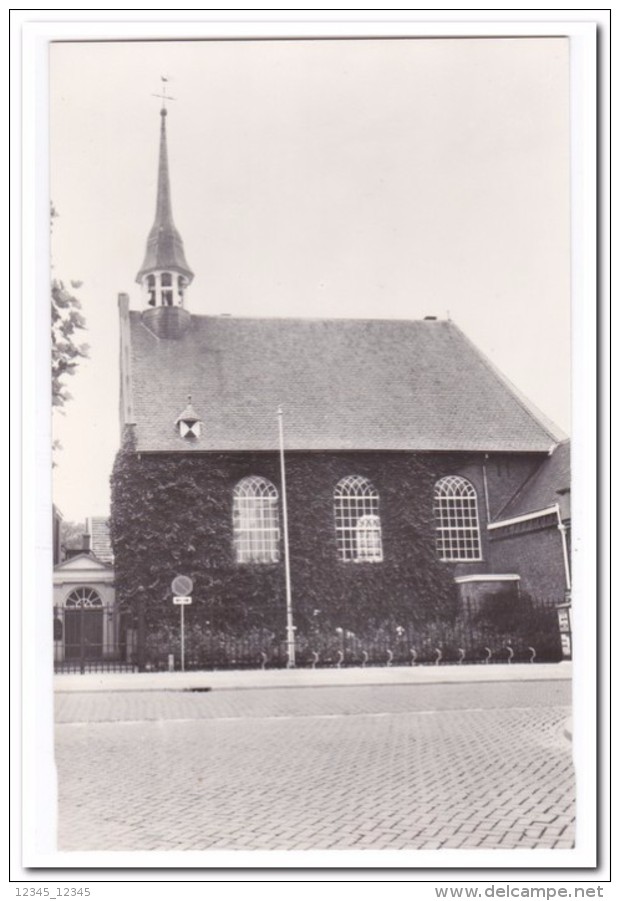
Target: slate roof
<point>343,384</point>
<point>164,246</point>
<point>100,545</point>
<point>541,489</point>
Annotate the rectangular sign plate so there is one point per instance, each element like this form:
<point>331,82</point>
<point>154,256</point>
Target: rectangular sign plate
<point>181,600</point>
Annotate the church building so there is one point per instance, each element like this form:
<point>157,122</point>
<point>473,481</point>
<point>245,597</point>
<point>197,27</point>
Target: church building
<point>336,490</point>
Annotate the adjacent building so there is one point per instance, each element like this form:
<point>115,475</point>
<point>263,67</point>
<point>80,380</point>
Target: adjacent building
<point>88,624</point>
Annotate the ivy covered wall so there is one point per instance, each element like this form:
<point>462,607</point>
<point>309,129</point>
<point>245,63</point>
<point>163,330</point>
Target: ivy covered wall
<point>173,514</point>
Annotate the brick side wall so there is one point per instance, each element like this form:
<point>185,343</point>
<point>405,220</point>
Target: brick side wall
<point>173,514</point>
<point>537,557</point>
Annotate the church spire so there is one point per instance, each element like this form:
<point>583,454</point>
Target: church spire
<point>164,274</point>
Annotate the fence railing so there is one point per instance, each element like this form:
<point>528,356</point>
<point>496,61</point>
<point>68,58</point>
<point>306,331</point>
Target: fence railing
<point>532,636</point>
<point>108,638</point>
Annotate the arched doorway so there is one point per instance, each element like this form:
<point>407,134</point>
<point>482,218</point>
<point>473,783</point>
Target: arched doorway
<point>83,625</point>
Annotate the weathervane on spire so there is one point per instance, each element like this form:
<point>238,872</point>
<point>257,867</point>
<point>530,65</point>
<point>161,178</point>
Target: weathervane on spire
<point>164,96</point>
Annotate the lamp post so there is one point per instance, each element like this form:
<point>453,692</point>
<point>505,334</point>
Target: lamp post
<point>290,628</point>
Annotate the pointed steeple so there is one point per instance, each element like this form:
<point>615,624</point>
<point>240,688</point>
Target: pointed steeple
<point>165,256</point>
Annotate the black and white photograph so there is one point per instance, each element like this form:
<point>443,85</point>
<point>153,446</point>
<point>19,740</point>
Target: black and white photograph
<point>312,559</point>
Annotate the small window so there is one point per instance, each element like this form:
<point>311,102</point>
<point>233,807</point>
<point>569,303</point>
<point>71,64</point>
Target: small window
<point>189,423</point>
<point>457,530</point>
<point>256,527</point>
<point>84,597</point>
<point>358,526</point>
<point>189,429</point>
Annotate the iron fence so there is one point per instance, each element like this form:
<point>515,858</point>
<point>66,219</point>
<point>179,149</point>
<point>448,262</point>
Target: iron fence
<point>93,637</point>
<point>530,635</point>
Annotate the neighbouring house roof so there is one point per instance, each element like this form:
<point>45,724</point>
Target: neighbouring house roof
<point>100,545</point>
<point>343,384</point>
<point>84,562</point>
<point>543,487</point>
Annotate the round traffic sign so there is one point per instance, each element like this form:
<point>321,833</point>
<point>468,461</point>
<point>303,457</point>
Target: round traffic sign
<point>182,585</point>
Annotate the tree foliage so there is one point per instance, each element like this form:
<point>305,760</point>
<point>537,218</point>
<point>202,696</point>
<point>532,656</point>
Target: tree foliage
<point>67,321</point>
<point>71,534</point>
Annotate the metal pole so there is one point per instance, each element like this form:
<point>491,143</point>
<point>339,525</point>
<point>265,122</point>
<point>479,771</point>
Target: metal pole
<point>81,615</point>
<point>140,637</point>
<point>182,638</point>
<point>486,487</point>
<point>562,529</point>
<point>290,629</point>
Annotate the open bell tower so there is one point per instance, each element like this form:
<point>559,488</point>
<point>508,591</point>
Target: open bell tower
<point>165,274</point>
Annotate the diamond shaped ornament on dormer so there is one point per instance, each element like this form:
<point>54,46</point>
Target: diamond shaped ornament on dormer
<point>188,423</point>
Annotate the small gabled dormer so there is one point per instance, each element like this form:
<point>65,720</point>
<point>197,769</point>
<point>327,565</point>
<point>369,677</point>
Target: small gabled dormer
<point>188,423</point>
<point>164,275</point>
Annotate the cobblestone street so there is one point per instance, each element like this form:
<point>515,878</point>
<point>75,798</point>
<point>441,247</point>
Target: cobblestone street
<point>358,767</point>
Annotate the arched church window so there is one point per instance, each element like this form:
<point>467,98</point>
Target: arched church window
<point>358,526</point>
<point>457,530</point>
<point>256,524</point>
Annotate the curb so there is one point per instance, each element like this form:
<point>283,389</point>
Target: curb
<point>222,680</point>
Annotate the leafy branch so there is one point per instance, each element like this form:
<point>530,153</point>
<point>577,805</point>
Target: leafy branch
<point>67,320</point>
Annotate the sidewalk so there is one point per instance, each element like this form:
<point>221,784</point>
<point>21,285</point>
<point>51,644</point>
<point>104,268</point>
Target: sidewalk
<point>307,678</point>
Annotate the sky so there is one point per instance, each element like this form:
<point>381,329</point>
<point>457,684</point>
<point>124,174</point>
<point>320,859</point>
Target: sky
<point>327,178</point>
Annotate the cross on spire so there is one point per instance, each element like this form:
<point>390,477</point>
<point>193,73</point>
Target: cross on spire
<point>164,247</point>
<point>164,96</point>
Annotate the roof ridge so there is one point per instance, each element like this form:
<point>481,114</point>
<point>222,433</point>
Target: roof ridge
<point>146,328</point>
<point>557,434</point>
<point>89,554</point>
<point>229,317</point>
